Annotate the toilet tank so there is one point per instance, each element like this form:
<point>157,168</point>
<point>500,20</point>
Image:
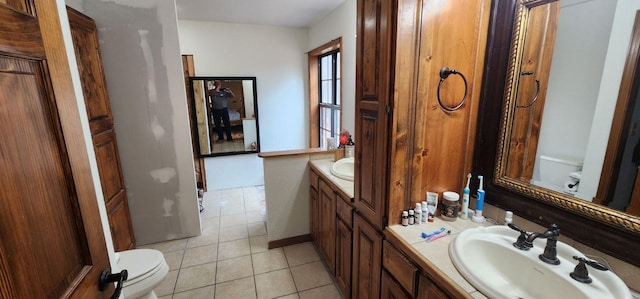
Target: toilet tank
<point>555,171</point>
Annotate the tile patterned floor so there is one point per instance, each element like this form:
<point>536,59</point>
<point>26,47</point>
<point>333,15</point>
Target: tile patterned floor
<point>231,260</point>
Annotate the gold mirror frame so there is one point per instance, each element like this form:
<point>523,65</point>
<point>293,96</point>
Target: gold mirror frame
<point>600,213</point>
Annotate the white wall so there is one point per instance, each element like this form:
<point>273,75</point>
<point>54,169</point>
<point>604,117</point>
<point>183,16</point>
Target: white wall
<point>142,64</point>
<point>276,56</point>
<point>576,71</point>
<point>341,23</point>
<point>608,96</point>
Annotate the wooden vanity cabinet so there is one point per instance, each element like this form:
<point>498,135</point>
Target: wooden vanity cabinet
<point>332,229</point>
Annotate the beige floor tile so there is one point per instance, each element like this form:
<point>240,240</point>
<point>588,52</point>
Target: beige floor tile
<point>275,284</point>
<point>233,233</point>
<point>211,223</point>
<point>201,293</point>
<point>208,237</point>
<point>253,204</point>
<point>196,277</point>
<point>310,276</point>
<point>233,220</point>
<point>257,229</point>
<point>328,291</point>
<point>210,211</point>
<point>174,259</point>
<point>244,288</point>
<point>258,244</point>
<point>233,249</point>
<point>232,208</point>
<point>269,261</point>
<point>291,296</point>
<point>167,246</point>
<point>168,284</point>
<point>234,268</point>
<point>256,216</point>
<point>200,255</point>
<point>165,297</point>
<point>301,254</point>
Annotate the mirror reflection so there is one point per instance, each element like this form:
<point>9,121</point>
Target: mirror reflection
<point>226,115</point>
<point>558,112</point>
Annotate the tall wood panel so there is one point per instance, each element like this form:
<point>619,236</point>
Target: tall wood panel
<point>367,260</point>
<point>188,68</point>
<point>373,86</point>
<point>98,109</point>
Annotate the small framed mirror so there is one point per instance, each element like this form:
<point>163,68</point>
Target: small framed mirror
<point>225,114</point>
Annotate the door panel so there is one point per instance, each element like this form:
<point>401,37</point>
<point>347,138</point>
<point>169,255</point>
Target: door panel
<point>52,242</point>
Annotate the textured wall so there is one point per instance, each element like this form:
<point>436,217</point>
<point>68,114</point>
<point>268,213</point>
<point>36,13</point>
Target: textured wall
<point>139,45</point>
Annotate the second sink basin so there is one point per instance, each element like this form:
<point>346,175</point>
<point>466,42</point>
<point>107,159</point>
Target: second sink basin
<point>486,257</point>
<point>343,169</point>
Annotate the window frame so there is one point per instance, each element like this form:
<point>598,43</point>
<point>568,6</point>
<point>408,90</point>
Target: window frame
<point>314,89</point>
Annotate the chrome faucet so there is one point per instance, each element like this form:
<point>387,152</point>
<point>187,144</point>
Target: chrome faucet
<point>525,242</point>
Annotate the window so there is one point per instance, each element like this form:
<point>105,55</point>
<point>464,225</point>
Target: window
<point>325,93</point>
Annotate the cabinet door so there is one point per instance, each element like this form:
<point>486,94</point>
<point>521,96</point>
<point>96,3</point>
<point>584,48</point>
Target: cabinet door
<point>428,290</point>
<point>327,225</point>
<point>315,211</point>
<point>367,260</point>
<point>391,289</point>
<point>344,238</point>
<point>375,22</point>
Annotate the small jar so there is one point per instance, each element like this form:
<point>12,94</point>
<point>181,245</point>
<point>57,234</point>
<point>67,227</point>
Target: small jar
<point>412,217</point>
<point>450,206</point>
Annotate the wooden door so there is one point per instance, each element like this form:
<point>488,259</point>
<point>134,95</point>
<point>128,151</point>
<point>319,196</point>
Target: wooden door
<point>315,216</point>
<point>52,238</point>
<point>375,23</point>
<point>428,290</point>
<point>367,260</point>
<point>344,240</point>
<point>328,225</point>
<point>96,98</point>
<point>391,289</point>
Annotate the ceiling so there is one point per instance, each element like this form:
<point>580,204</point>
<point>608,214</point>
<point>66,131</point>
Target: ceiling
<point>288,13</point>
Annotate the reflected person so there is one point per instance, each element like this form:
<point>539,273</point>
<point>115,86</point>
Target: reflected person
<point>218,99</point>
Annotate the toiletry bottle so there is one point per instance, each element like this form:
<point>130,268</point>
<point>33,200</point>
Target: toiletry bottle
<point>411,217</point>
<point>405,218</point>
<point>432,205</point>
<point>425,212</point>
<point>508,217</point>
<point>418,213</point>
<point>464,210</point>
<point>349,149</point>
<point>477,217</point>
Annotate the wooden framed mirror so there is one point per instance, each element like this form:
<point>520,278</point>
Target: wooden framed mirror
<point>525,60</point>
<point>225,115</point>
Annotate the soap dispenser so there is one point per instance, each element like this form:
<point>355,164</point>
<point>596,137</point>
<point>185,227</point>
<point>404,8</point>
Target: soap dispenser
<point>349,148</point>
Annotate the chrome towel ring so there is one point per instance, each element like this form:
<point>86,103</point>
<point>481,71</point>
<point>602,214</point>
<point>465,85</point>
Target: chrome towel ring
<point>444,74</point>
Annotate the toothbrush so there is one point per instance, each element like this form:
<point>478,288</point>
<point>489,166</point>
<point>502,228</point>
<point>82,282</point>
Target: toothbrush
<point>464,212</point>
<point>436,237</point>
<point>479,203</point>
<point>426,235</point>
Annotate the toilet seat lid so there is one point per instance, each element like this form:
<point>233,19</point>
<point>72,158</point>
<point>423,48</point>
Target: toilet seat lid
<point>139,262</point>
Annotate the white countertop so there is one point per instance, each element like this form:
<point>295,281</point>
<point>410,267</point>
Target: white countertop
<point>324,166</point>
<point>437,252</point>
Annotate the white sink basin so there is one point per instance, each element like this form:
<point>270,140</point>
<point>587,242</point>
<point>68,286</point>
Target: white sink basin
<point>343,169</point>
<point>485,256</point>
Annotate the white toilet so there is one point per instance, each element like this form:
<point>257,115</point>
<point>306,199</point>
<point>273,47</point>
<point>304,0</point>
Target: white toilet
<point>555,172</point>
<point>146,270</point>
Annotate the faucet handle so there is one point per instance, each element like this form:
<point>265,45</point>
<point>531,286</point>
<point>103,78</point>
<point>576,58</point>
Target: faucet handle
<point>516,228</point>
<point>581,274</point>
<point>521,243</point>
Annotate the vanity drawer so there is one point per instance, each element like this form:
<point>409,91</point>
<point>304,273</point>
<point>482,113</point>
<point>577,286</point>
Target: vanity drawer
<point>344,211</point>
<point>400,268</point>
<point>313,178</point>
